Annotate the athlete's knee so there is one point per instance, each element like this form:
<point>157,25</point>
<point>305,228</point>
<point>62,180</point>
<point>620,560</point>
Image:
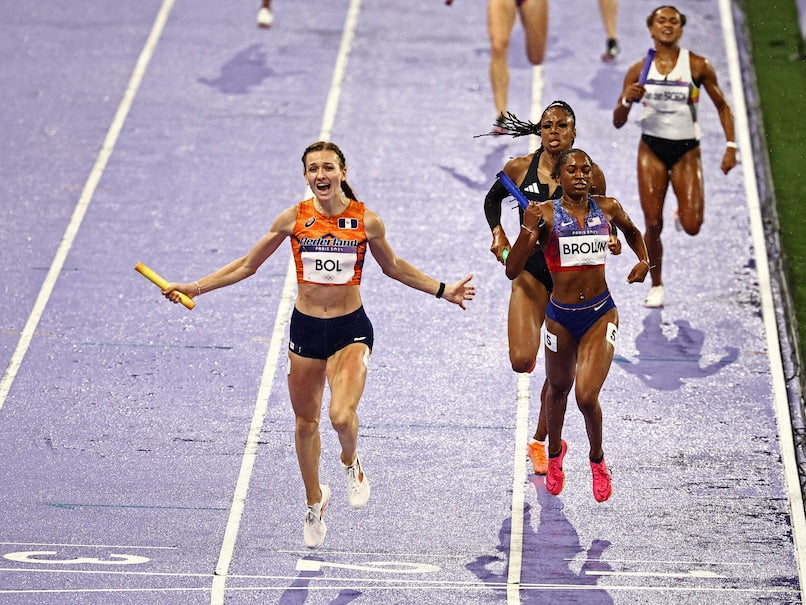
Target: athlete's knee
<point>536,46</point>
<point>691,227</point>
<point>536,56</point>
<point>587,406</point>
<point>587,400</point>
<point>499,48</point>
<point>306,427</point>
<point>556,391</point>
<point>341,419</point>
<point>523,364</point>
<point>654,225</point>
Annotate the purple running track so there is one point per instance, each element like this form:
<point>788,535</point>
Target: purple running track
<point>123,432</point>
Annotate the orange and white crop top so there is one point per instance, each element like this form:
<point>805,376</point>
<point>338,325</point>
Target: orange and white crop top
<point>329,250</point>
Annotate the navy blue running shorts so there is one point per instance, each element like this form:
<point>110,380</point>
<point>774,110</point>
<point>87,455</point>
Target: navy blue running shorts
<point>578,319</point>
<point>319,338</point>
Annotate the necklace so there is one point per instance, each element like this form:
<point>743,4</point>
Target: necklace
<point>575,206</point>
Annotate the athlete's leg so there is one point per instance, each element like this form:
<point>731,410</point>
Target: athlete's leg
<point>609,10</point>
<point>594,356</point>
<point>500,20</point>
<point>527,308</point>
<point>653,181</point>
<point>306,383</point>
<point>687,183</point>
<point>561,357</point>
<point>535,20</point>
<point>541,431</point>
<point>347,375</point>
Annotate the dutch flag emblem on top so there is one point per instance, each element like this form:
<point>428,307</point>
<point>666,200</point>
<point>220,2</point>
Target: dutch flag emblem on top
<point>348,223</point>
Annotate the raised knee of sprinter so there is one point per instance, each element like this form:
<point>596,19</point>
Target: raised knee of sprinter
<point>523,364</point>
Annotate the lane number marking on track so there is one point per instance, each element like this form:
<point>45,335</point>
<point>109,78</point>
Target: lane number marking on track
<point>46,557</point>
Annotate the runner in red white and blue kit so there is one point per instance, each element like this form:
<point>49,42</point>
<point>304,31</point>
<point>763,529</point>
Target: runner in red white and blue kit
<point>531,288</point>
<point>581,318</point>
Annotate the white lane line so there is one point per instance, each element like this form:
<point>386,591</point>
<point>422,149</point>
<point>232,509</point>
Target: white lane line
<point>518,492</point>
<point>321,582</point>
<point>283,312</point>
<point>522,414</point>
<point>98,590</point>
<point>781,400</point>
<point>83,203</point>
<point>334,94</point>
<point>73,545</point>
<point>536,111</point>
<point>693,573</point>
<point>446,587</point>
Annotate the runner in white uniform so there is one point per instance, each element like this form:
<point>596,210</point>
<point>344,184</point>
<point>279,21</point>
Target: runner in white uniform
<point>669,150</point>
<point>670,102</point>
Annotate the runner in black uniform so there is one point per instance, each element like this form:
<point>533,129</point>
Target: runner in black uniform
<point>531,288</point>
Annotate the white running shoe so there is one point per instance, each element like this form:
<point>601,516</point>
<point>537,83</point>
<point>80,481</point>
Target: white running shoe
<point>357,483</point>
<point>264,18</point>
<point>655,297</point>
<point>315,528</point>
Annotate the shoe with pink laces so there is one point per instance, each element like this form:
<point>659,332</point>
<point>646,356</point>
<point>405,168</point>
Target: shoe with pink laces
<point>602,486</point>
<point>555,477</point>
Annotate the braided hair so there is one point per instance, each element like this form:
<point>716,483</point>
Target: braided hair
<point>329,146</point>
<point>510,124</point>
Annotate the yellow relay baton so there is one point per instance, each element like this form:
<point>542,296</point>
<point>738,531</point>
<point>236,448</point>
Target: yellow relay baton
<point>161,282</point>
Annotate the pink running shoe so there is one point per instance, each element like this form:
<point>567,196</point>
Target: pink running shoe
<point>555,477</point>
<point>602,486</point>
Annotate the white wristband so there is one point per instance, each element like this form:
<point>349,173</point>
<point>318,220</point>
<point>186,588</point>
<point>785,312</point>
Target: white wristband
<point>625,103</point>
<point>731,144</point>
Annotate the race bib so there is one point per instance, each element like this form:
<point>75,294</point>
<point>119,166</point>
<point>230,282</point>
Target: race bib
<point>611,333</point>
<point>336,266</point>
<point>583,250</point>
